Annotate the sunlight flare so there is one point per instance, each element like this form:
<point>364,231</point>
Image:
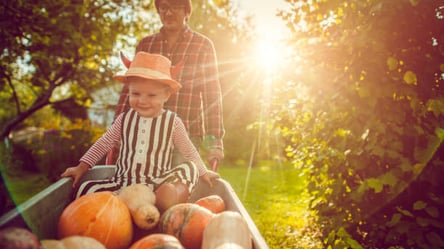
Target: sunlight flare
<point>269,55</point>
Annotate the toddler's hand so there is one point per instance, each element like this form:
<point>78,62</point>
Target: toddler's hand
<point>209,176</point>
<point>76,172</point>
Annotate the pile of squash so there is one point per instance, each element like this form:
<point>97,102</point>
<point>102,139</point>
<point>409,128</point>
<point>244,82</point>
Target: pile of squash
<point>130,220</point>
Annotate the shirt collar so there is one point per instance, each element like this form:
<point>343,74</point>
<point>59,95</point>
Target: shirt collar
<point>186,31</point>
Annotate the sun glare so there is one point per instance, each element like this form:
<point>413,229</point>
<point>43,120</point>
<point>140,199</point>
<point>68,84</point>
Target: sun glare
<point>269,55</point>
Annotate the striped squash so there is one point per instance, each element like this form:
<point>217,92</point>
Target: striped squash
<point>186,222</point>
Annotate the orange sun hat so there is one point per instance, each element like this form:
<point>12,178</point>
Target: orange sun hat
<point>149,66</point>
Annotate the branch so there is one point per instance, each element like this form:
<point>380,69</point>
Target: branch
<point>14,93</point>
<point>65,73</point>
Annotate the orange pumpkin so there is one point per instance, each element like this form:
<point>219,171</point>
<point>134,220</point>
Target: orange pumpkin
<point>157,240</point>
<point>102,216</point>
<point>214,203</point>
<point>170,194</point>
<point>186,222</point>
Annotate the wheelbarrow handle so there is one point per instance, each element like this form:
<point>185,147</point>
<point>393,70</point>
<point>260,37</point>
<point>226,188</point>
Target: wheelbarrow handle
<point>214,164</point>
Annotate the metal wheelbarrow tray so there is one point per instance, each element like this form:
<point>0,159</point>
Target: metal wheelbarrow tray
<point>41,212</point>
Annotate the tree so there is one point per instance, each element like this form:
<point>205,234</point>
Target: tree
<point>58,52</point>
<point>363,117</point>
<point>56,55</point>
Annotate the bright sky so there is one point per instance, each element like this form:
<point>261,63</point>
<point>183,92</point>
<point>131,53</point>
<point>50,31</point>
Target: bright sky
<point>271,29</point>
<point>264,13</point>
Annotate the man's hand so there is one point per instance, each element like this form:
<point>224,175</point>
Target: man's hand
<point>215,154</point>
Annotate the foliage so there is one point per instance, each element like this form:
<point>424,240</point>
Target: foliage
<point>362,116</point>
<point>60,53</point>
<point>56,149</point>
<point>56,53</point>
<point>57,57</point>
<point>13,156</point>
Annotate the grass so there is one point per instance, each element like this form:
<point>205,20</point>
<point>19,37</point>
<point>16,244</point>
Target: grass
<point>277,203</point>
<point>23,185</point>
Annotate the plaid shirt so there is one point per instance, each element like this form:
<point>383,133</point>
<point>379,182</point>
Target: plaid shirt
<point>199,102</point>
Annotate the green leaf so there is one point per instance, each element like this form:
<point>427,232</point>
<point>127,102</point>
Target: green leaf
<point>434,239</point>
<point>392,63</point>
<point>395,220</point>
<point>436,106</point>
<point>389,179</point>
<point>410,78</point>
<point>375,184</point>
<point>440,132</point>
<point>419,205</point>
<point>341,232</point>
<point>423,222</point>
<point>404,212</point>
<point>353,244</point>
<point>432,211</point>
<point>436,223</point>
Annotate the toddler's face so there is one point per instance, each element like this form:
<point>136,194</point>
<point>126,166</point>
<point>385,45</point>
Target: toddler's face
<point>147,97</point>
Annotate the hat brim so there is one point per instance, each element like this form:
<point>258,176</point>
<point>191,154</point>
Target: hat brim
<point>174,85</point>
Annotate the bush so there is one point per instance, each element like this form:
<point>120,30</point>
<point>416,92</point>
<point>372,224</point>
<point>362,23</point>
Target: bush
<point>362,116</point>
<point>15,157</point>
<point>55,150</point>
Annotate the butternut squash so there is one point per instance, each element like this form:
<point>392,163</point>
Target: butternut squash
<point>140,200</point>
<point>227,230</point>
<point>73,242</point>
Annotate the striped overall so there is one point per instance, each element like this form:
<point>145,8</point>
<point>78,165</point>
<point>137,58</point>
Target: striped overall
<point>145,156</point>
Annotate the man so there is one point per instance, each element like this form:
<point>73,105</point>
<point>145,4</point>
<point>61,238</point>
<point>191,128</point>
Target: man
<point>199,102</point>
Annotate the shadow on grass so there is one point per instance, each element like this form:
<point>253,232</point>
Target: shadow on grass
<point>20,186</point>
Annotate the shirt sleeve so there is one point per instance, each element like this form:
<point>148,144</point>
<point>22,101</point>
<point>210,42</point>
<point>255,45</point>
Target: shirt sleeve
<point>104,144</point>
<point>212,99</point>
<point>183,143</point>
